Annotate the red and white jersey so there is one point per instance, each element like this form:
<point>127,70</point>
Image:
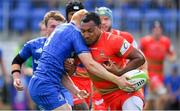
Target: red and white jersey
<point>155,52</point>
<point>125,35</point>
<point>109,47</point>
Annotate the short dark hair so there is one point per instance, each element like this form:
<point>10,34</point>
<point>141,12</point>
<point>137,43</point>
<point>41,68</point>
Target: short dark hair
<point>92,16</point>
<point>73,6</point>
<point>156,23</point>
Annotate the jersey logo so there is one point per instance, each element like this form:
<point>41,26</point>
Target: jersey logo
<point>124,48</point>
<point>39,50</point>
<point>35,61</point>
<point>60,98</point>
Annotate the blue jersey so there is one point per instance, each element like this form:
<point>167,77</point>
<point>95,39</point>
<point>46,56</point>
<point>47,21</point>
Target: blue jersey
<point>33,48</point>
<point>45,88</point>
<point>63,41</point>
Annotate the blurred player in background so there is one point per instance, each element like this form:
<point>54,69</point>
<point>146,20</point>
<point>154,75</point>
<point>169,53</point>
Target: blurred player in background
<point>4,81</point>
<point>106,24</point>
<point>71,8</point>
<point>173,86</point>
<point>156,47</point>
<point>107,47</point>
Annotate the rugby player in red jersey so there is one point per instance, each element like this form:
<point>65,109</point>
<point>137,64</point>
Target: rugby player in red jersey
<point>105,47</point>
<point>156,47</point>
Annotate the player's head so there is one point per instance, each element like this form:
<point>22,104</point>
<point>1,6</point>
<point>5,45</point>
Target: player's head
<point>71,8</point>
<point>52,19</point>
<point>157,29</point>
<point>42,27</point>
<point>90,27</point>
<point>76,18</point>
<point>106,18</point>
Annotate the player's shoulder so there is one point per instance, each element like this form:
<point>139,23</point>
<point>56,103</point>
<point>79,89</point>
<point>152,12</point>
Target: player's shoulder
<point>146,38</point>
<point>36,40</point>
<point>126,35</point>
<point>68,28</point>
<point>108,35</point>
<point>165,39</point>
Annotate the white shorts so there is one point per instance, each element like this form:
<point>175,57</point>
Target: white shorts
<point>133,103</point>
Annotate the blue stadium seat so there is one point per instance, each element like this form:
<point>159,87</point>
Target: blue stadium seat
<point>19,18</point>
<point>117,18</point>
<point>132,20</point>
<point>170,21</point>
<point>88,4</point>
<point>62,10</point>
<point>100,3</point>
<point>149,17</point>
<point>36,17</point>
<point>1,20</point>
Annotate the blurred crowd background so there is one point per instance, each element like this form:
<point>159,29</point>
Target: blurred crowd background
<point>19,22</point>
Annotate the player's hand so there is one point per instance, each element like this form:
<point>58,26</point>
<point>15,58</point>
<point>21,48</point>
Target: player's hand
<point>70,66</point>
<point>111,67</point>
<point>82,94</point>
<point>124,83</point>
<point>18,84</point>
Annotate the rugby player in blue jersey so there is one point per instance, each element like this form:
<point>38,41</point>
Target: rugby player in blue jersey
<point>44,86</point>
<point>34,48</point>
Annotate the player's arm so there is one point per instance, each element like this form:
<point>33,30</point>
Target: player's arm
<point>136,59</point>
<point>17,62</point>
<point>123,48</point>
<point>69,84</point>
<point>95,68</point>
<point>16,71</point>
<point>171,54</point>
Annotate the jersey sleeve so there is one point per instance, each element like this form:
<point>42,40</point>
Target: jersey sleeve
<point>142,43</point>
<point>127,36</point>
<point>25,52</point>
<point>170,48</point>
<point>120,46</point>
<point>79,43</point>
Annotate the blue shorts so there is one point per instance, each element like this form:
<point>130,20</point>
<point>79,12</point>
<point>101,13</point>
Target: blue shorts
<point>46,94</point>
<point>68,96</point>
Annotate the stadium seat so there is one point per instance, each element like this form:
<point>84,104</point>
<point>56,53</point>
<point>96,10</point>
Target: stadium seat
<point>149,17</point>
<point>117,18</point>
<point>19,19</point>
<point>89,5</point>
<point>36,17</point>
<point>169,21</point>
<point>62,10</point>
<point>132,20</point>
<point>100,3</point>
<point>1,20</point>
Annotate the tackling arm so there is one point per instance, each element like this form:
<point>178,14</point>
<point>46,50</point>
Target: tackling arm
<point>69,84</point>
<point>97,69</point>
